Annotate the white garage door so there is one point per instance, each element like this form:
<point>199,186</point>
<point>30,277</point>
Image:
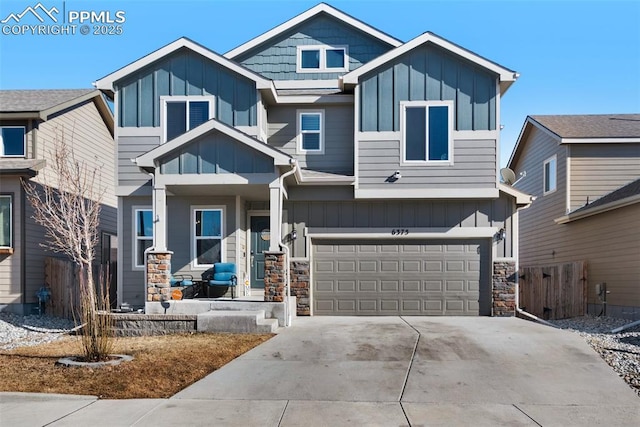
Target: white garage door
<point>364,277</point>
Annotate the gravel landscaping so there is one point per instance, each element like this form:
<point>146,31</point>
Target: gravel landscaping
<point>621,351</point>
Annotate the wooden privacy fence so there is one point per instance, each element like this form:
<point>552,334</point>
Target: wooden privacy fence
<point>62,277</point>
<point>554,292</point>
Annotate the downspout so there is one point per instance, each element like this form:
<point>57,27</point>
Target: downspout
<point>153,216</point>
<point>283,246</point>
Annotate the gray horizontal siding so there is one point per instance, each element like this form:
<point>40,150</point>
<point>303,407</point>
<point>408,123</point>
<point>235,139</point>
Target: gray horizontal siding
<point>216,153</point>
<point>608,242</point>
<point>427,74</point>
<point>11,265</point>
<point>338,138</point>
<point>186,73</point>
<point>277,59</point>
<point>178,239</point>
<point>130,147</point>
<point>474,166</point>
<point>400,214</point>
<point>539,235</point>
<point>598,169</point>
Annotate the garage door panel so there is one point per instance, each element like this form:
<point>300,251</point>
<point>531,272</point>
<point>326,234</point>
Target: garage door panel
<point>408,278</point>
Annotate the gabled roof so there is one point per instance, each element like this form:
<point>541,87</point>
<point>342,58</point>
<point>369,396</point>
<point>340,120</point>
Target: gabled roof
<point>314,11</point>
<point>507,76</point>
<point>149,158</point>
<point>623,196</point>
<point>592,125</point>
<point>581,129</point>
<point>42,103</point>
<point>106,83</point>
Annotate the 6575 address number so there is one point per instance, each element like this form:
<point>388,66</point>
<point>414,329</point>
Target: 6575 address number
<point>399,232</point>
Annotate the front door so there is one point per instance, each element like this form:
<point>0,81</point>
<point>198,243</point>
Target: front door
<point>259,244</point>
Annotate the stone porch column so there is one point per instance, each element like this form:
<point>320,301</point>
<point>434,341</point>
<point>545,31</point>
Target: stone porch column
<point>158,275</point>
<point>274,276</point>
<point>504,289</point>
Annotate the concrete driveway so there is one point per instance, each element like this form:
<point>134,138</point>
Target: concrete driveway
<point>390,371</point>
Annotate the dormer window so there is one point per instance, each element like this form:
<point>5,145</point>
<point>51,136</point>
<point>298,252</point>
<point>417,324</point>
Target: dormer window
<point>183,113</point>
<point>314,59</point>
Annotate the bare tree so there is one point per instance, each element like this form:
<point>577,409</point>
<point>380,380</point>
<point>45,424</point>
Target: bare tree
<point>67,205</point>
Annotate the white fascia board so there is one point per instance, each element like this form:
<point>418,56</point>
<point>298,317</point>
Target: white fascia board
<point>217,179</point>
<point>320,8</point>
<point>412,233</point>
<point>609,140</point>
<point>522,199</point>
<point>426,193</point>
<point>149,158</point>
<point>323,180</point>
<point>528,123</point>
<point>307,84</point>
<point>505,74</point>
<point>106,83</point>
<point>598,209</point>
<point>315,99</point>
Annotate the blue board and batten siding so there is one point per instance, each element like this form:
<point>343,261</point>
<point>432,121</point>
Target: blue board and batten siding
<point>181,74</point>
<point>216,153</point>
<point>428,74</point>
<point>277,60</point>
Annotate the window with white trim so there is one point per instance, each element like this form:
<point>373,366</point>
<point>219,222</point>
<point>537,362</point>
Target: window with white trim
<point>321,58</point>
<point>183,113</point>
<point>427,131</point>
<point>143,234</point>
<point>13,141</point>
<point>6,221</point>
<point>550,175</point>
<point>207,225</point>
<point>311,132</point>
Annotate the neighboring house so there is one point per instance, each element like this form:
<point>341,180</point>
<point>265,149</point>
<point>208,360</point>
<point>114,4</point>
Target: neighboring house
<point>584,171</point>
<point>31,123</point>
<point>370,162</point>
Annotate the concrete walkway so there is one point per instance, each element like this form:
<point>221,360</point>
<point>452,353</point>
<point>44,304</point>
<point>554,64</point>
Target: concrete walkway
<point>377,371</point>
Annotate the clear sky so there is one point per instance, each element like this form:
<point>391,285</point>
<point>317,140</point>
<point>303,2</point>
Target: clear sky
<point>574,57</point>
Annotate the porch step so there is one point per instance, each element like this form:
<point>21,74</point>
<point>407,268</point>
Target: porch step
<point>236,321</point>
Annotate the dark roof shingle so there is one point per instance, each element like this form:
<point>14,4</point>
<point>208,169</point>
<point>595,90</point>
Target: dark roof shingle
<point>592,125</point>
<point>628,190</point>
<point>14,101</point>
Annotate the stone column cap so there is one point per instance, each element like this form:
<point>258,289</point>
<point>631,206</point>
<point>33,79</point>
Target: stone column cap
<point>160,252</point>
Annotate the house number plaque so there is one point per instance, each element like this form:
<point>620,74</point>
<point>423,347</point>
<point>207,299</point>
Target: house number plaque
<point>399,232</point>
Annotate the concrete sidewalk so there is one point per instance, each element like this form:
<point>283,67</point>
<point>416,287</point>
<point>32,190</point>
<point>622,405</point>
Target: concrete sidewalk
<point>377,371</point>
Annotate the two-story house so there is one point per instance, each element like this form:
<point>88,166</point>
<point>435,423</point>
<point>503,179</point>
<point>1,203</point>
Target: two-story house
<point>32,122</point>
<point>585,173</point>
<point>369,164</point>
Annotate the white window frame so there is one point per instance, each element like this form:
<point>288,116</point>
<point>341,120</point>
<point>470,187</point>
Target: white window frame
<point>24,143</point>
<point>183,98</point>
<point>553,160</point>
<point>323,59</point>
<point>403,128</point>
<point>194,259</point>
<point>136,239</point>
<point>300,132</point>
<point>10,197</point>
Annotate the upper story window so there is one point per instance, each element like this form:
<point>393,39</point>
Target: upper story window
<point>207,229</point>
<point>6,221</point>
<point>143,234</point>
<point>550,175</point>
<point>427,131</point>
<point>314,59</point>
<point>311,131</point>
<point>183,113</point>
<point>13,141</point>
